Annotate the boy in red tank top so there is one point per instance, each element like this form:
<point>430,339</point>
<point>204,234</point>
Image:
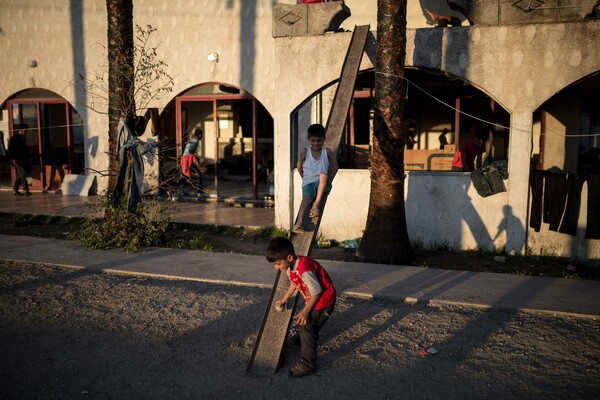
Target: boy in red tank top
<point>314,284</point>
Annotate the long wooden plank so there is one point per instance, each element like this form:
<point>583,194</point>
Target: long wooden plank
<point>335,123</point>
<point>268,349</point>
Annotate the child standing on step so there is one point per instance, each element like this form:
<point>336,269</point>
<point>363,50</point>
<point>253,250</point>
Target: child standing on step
<point>317,167</point>
<point>314,284</point>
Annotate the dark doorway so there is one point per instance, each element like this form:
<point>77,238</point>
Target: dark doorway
<point>236,150</point>
<point>55,145</point>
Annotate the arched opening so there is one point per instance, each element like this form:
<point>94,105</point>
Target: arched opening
<point>54,138</point>
<point>236,151</point>
<point>441,109</point>
<point>565,160</point>
<point>567,129</point>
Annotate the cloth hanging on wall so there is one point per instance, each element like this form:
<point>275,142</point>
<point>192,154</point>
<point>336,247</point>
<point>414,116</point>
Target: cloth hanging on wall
<point>556,200</point>
<point>592,230</point>
<point>536,183</point>
<point>570,218</point>
<point>128,144</point>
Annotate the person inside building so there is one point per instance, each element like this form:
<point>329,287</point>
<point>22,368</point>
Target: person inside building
<point>190,166</point>
<point>469,150</point>
<point>20,159</point>
<point>410,136</point>
<point>443,139</point>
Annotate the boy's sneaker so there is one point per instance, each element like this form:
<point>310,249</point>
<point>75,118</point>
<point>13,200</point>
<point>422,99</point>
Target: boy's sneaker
<point>27,193</point>
<point>301,369</point>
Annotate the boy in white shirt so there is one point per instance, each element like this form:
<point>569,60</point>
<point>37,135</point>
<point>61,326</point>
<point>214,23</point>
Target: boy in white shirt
<point>317,169</point>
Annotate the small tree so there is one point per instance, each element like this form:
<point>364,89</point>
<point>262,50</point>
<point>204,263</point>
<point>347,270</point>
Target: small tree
<point>133,77</point>
<point>128,84</point>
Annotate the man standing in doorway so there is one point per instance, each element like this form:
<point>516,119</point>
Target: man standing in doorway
<point>20,159</point>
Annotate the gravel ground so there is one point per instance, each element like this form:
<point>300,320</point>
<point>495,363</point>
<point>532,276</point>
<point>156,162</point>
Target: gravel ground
<point>75,334</point>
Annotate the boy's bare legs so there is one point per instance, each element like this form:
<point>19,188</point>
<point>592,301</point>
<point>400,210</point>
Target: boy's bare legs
<point>306,202</point>
<point>299,224</point>
<point>316,210</point>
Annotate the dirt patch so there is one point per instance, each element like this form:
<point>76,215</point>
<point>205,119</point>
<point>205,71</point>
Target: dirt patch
<point>68,333</point>
<point>248,241</point>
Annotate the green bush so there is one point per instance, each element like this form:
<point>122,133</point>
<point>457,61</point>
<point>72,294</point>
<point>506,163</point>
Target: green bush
<point>129,231</point>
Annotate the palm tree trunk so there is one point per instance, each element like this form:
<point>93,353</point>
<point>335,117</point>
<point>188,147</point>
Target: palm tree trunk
<point>385,239</point>
<point>120,74</point>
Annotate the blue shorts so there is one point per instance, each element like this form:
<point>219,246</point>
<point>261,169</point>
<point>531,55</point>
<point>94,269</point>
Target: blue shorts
<point>311,189</point>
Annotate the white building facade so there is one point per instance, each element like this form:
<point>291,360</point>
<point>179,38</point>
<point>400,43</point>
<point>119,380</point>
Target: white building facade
<point>541,74</point>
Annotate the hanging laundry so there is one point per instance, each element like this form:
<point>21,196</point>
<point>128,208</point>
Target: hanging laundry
<point>555,198</point>
<point>536,183</point>
<point>570,219</point>
<point>592,230</point>
<point>135,148</point>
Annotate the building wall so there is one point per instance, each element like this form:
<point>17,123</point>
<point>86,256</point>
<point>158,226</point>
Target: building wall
<point>520,66</point>
<point>63,37</point>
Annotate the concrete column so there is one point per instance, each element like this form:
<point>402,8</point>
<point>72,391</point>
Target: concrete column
<point>283,172</point>
<point>518,181</point>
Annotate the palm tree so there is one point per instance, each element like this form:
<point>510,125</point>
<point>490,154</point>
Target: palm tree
<point>120,50</point>
<point>385,239</point>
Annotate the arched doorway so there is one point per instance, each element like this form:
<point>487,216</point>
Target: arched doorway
<point>237,147</point>
<point>54,137</point>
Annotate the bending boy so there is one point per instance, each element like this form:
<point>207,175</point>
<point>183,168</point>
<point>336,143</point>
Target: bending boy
<point>317,169</point>
<point>314,284</point>
<point>190,162</point>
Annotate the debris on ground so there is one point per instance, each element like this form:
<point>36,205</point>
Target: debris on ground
<point>429,352</point>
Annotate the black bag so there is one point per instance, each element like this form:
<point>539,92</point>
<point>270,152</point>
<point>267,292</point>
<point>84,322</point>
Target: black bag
<point>488,180</point>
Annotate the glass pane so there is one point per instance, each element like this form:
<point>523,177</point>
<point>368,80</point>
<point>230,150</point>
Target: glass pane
<point>77,143</point>
<point>235,122</point>
<point>55,145</point>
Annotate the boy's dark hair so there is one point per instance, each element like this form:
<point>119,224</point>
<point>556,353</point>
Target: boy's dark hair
<point>316,130</point>
<point>482,133</point>
<point>279,248</point>
<point>198,133</point>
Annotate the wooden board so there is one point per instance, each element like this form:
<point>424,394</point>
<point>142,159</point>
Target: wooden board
<point>268,349</point>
